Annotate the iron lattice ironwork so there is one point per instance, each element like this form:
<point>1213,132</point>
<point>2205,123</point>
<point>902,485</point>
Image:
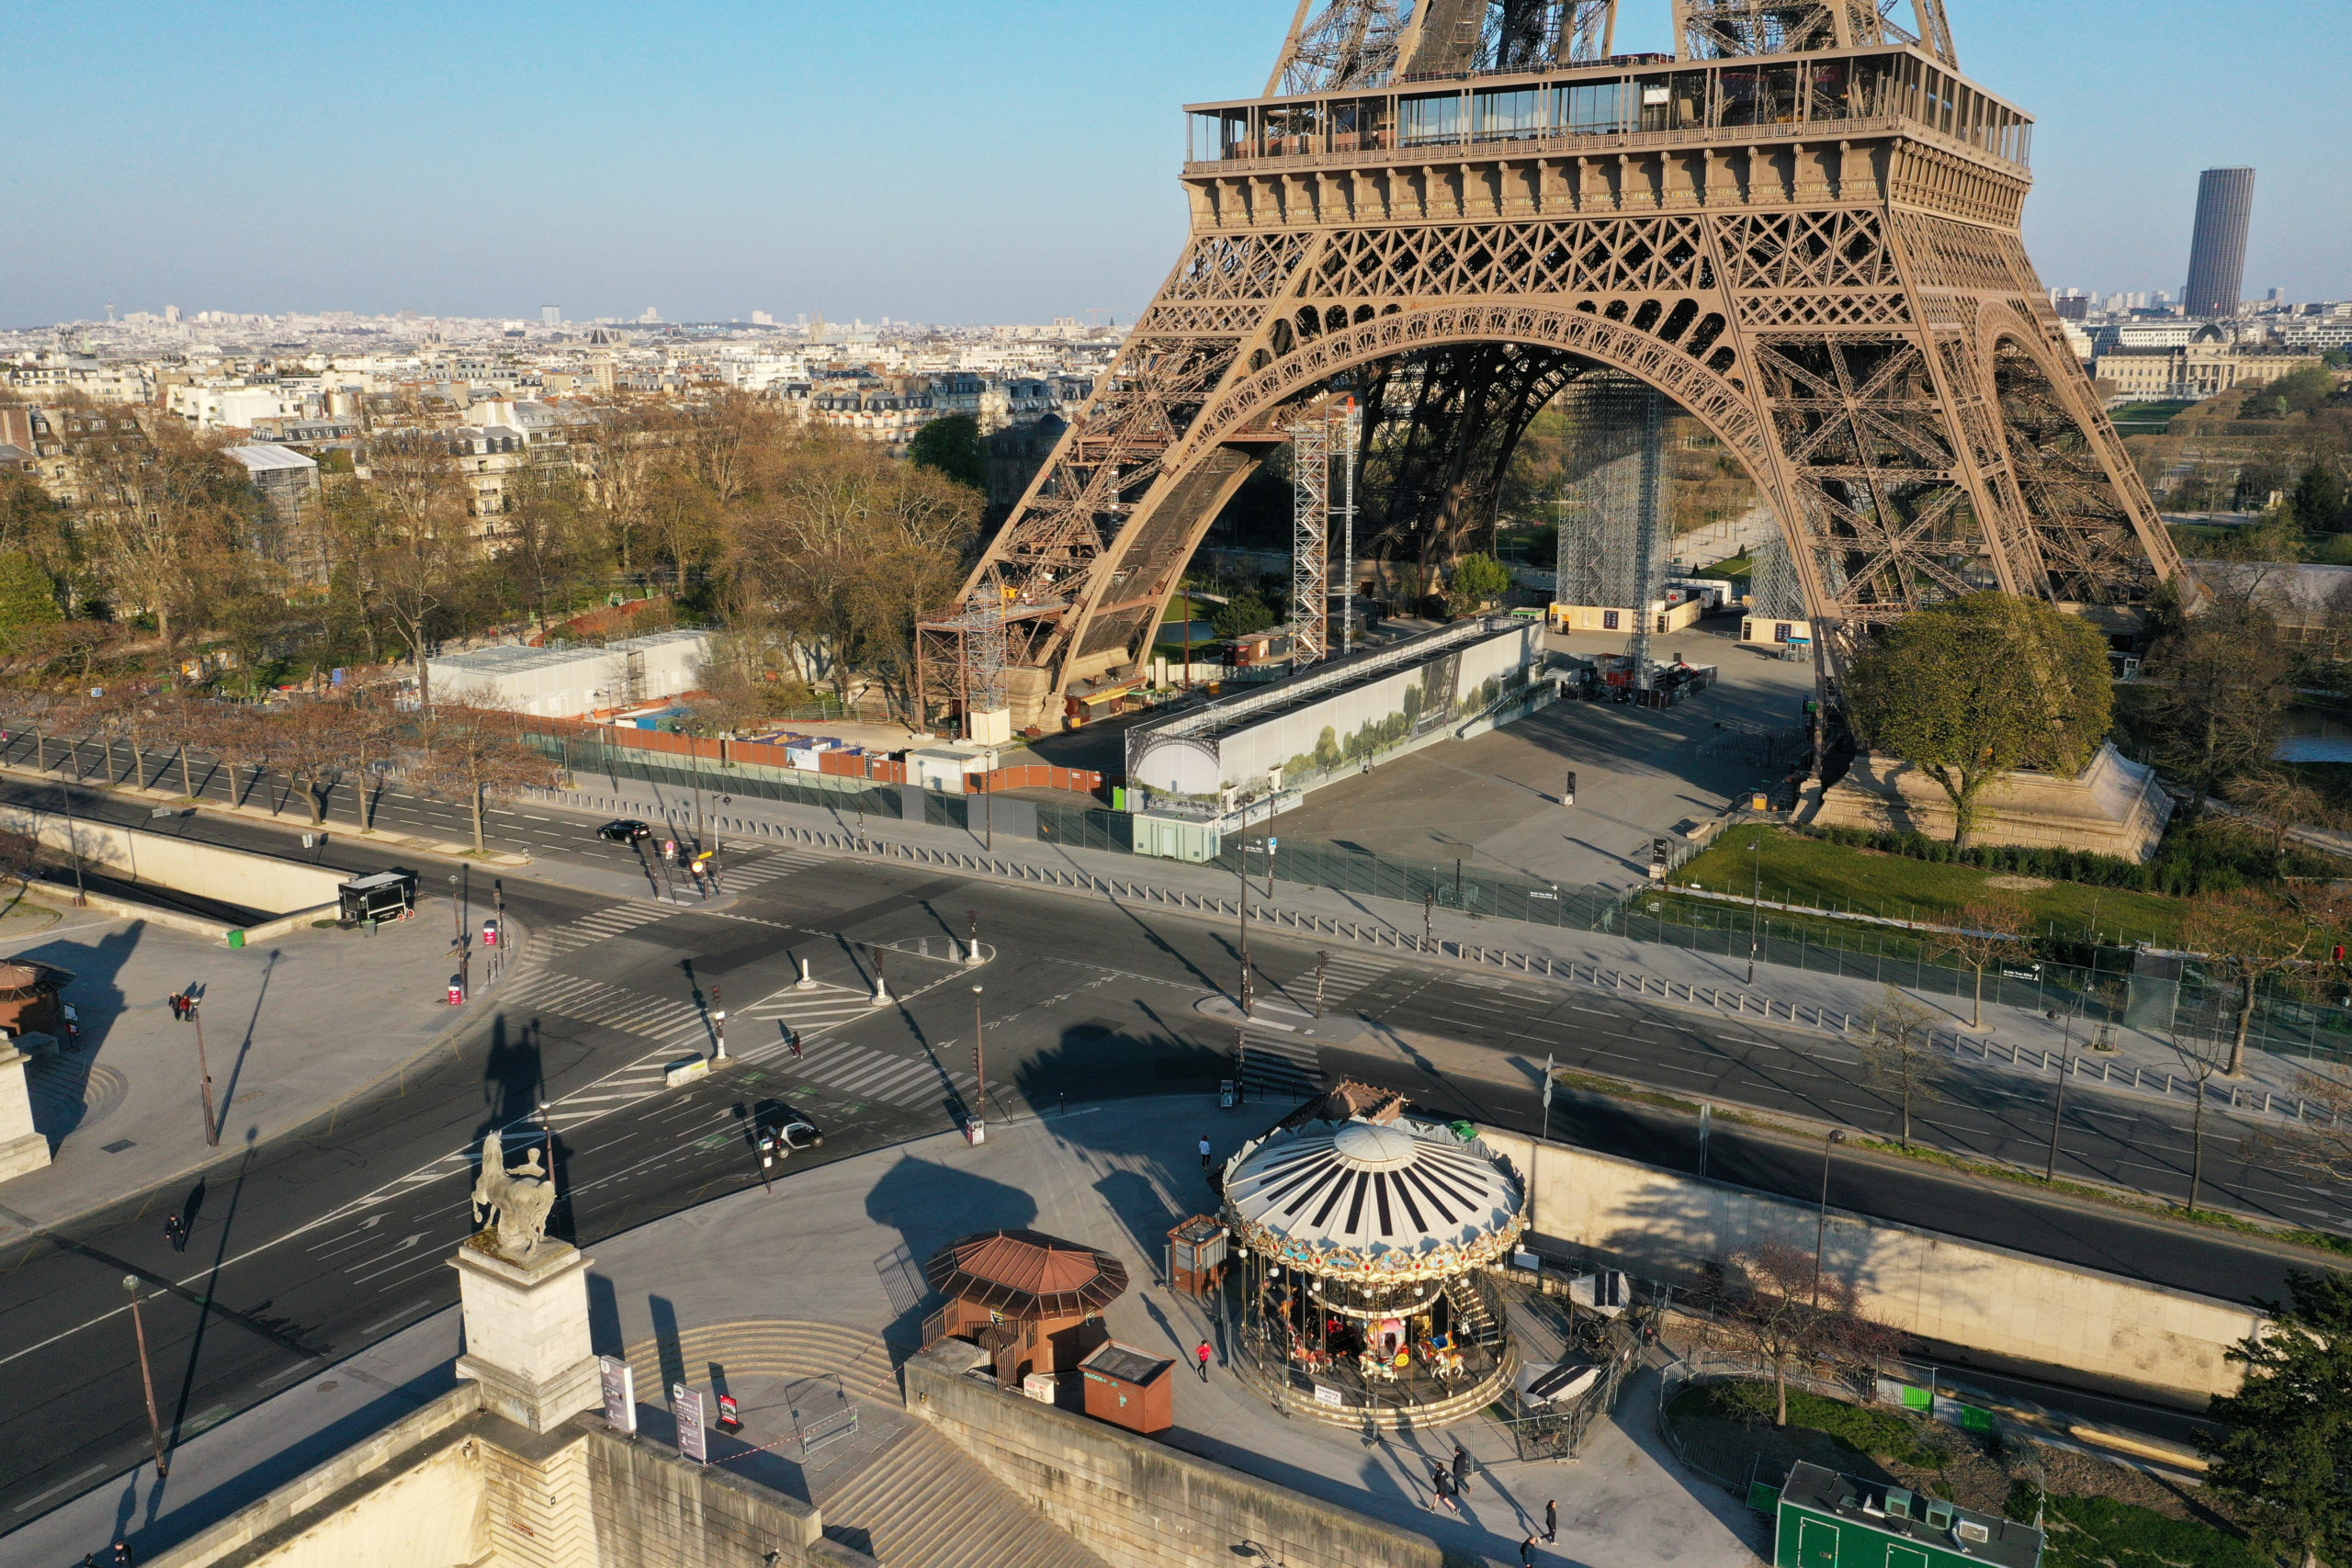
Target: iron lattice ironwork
<point>1803,229</point>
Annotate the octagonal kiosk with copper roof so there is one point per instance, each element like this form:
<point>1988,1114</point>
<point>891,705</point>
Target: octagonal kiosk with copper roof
<point>1033,1301</point>
<point>1365,1241</point>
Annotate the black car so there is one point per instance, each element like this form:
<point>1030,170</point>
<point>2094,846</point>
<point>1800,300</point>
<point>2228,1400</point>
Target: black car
<point>626,831</point>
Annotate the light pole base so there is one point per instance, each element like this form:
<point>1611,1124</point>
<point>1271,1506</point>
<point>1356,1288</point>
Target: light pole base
<point>806,982</point>
<point>881,997</point>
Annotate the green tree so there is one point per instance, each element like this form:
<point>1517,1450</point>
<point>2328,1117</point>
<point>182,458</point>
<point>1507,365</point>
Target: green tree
<point>1241,616</point>
<point>2284,1454</point>
<point>951,445</point>
<point>27,598</point>
<point>1478,581</point>
<point>2318,499</point>
<point>1974,688</point>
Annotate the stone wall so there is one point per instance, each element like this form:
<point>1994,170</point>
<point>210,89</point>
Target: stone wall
<point>1136,1503</point>
<point>1972,1302</point>
<point>410,1496</point>
<point>2114,807</point>
<point>656,1510</point>
<point>451,1487</point>
<point>233,876</point>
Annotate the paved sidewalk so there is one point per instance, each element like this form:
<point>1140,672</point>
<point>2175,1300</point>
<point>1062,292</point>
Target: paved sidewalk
<point>2014,1040</point>
<point>291,1026</point>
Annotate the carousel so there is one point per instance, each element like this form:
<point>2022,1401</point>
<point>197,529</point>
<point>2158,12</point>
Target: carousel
<point>1364,1239</point>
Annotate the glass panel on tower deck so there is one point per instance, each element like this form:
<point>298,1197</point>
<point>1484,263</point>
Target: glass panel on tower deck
<point>1507,114</point>
<point>1437,118</point>
<point>1218,134</point>
<point>1290,129</point>
<point>1677,102</point>
<point>1360,125</point>
<point>1759,95</point>
<point>1593,108</point>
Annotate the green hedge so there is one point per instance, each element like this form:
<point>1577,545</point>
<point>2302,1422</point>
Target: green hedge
<point>2208,857</point>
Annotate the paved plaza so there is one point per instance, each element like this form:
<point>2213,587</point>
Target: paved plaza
<point>1494,800</point>
<point>834,1258</point>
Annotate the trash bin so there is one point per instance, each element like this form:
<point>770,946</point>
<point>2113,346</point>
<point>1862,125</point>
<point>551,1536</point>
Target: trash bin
<point>457,992</point>
<point>975,1131</point>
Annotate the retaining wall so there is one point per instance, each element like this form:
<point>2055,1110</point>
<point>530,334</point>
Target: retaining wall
<point>1969,1301</point>
<point>209,871</point>
<point>1135,1503</point>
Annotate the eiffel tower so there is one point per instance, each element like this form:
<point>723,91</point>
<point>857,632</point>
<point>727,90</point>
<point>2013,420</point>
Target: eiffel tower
<point>1802,227</point>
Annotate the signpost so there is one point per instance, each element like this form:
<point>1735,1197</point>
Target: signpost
<point>620,1393</point>
<point>686,1407</point>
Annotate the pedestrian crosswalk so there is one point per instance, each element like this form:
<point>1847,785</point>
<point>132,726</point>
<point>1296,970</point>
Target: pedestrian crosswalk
<point>602,926</point>
<point>599,1001</point>
<point>1343,976</point>
<point>853,1072</point>
<point>737,875</point>
<point>1278,1065</point>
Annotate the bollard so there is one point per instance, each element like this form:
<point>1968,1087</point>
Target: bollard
<point>881,997</point>
<point>806,982</point>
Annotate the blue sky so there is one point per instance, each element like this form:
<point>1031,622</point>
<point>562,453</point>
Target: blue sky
<point>923,160</point>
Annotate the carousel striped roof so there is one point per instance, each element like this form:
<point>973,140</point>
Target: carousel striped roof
<point>1397,1198</point>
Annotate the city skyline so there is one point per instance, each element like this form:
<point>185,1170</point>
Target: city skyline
<point>606,161</point>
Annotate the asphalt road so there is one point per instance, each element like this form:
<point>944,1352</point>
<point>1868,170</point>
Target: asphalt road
<point>308,1248</point>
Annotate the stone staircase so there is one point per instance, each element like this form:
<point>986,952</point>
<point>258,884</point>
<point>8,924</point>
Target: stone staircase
<point>924,1503</point>
<point>775,1348</point>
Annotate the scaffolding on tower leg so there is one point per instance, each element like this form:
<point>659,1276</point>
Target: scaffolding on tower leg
<point>1613,529</point>
<point>1310,539</point>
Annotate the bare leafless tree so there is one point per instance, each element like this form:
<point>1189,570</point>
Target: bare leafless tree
<point>1771,1316</point>
<point>474,751</point>
<point>1899,1054</point>
<point>1988,931</point>
<point>2251,938</point>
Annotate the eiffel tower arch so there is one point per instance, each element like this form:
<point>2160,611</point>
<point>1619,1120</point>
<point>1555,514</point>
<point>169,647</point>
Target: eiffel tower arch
<point>1802,227</point>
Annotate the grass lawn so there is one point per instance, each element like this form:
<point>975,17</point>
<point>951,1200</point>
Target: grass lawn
<point>1880,1433</point>
<point>1735,566</point>
<point>2099,1532</point>
<point>1823,875</point>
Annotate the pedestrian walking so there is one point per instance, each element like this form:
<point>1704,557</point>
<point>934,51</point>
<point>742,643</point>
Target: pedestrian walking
<point>1461,1467</point>
<point>1441,1488</point>
<point>1527,1553</point>
<point>122,1554</point>
<point>1205,1352</point>
<point>1204,1151</point>
<point>792,1041</point>
<point>175,1233</point>
<point>1551,1521</point>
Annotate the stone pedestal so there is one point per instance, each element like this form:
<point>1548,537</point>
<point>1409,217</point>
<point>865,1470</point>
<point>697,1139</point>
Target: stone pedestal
<point>526,1331</point>
<point>21,1148</point>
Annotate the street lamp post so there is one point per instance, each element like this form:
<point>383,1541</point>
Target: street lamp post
<point>2058,1111</point>
<point>1756,904</point>
<point>498,892</point>
<point>718,1022</point>
<point>1821,1225</point>
<point>190,1009</point>
<point>546,1136</point>
<point>458,937</point>
<point>979,1059</point>
<point>74,837</point>
<point>147,1376</point>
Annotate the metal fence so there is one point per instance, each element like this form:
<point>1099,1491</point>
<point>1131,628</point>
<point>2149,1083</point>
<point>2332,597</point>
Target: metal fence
<point>1434,885</point>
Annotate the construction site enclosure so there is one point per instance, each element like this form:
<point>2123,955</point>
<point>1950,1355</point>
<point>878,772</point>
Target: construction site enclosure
<point>1337,717</point>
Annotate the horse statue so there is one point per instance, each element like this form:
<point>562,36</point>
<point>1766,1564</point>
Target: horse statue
<point>520,1198</point>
